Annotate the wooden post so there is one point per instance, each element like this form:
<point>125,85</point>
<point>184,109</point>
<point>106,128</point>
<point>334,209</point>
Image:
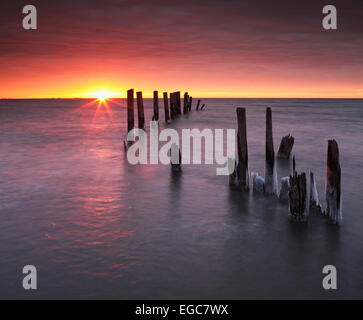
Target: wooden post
<point>270,173</point>
<point>285,148</point>
<point>171,105</point>
<point>173,111</point>
<point>140,110</point>
<point>198,103</point>
<point>314,206</point>
<point>293,165</point>
<point>175,158</point>
<point>190,103</point>
<point>202,107</point>
<point>178,103</point>
<point>166,107</point>
<point>130,110</point>
<point>298,197</point>
<point>156,106</point>
<point>333,183</point>
<point>186,101</point>
<point>242,167</point>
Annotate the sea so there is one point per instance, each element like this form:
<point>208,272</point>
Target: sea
<point>97,227</point>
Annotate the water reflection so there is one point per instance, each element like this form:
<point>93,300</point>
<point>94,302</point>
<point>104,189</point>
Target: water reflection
<point>99,227</point>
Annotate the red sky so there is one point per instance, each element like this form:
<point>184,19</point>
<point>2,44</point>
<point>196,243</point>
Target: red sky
<point>208,48</point>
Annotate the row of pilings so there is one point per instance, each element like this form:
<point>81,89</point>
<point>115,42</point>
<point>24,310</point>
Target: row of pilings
<point>293,188</point>
<point>171,110</point>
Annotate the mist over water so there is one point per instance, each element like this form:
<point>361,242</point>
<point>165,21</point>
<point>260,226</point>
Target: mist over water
<point>97,227</point>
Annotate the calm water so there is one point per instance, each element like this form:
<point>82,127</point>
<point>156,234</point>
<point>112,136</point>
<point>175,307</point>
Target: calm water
<point>98,227</point>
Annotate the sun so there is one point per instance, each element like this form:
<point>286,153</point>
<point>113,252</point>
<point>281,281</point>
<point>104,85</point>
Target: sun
<point>102,95</point>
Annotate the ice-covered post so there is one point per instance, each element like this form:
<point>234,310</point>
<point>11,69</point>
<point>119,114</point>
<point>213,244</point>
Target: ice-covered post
<point>156,106</point>
<point>285,148</point>
<point>232,169</point>
<point>166,107</point>
<point>140,110</point>
<point>284,191</point>
<point>333,183</point>
<point>270,170</point>
<point>314,206</point>
<point>242,166</point>
<point>258,184</point>
<point>130,110</point>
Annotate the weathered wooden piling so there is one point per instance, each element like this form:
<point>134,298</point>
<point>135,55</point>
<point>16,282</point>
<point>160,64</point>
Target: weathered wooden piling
<point>175,108</point>
<point>298,197</point>
<point>190,103</point>
<point>186,102</point>
<point>166,107</point>
<point>140,110</point>
<point>285,148</point>
<point>202,107</point>
<point>178,102</point>
<point>156,106</point>
<point>130,110</point>
<point>242,166</point>
<point>333,183</point>
<point>172,106</point>
<point>314,206</point>
<point>198,103</point>
<point>270,170</point>
<point>175,158</point>
<point>293,165</point>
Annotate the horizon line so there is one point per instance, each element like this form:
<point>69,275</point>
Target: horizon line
<point>88,98</point>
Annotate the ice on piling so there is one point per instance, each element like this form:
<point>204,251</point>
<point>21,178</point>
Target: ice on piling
<point>232,169</point>
<point>314,206</point>
<point>284,191</point>
<point>258,183</point>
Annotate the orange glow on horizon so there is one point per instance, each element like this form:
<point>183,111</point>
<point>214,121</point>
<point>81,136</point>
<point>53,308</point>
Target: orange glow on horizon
<point>43,88</point>
<point>103,87</point>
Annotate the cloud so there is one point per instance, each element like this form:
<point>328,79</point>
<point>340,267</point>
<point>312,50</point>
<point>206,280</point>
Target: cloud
<point>235,37</point>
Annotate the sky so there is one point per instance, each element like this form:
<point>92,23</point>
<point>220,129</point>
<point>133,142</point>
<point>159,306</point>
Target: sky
<point>209,48</point>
